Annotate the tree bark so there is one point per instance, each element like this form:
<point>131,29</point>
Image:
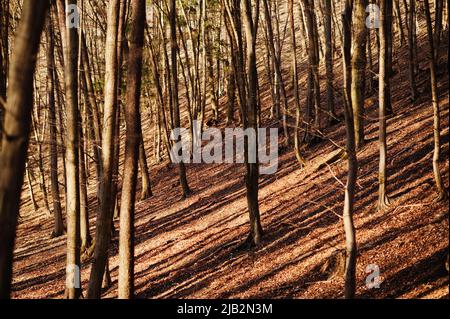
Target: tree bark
<point>58,229</point>
<point>295,79</point>
<point>133,140</point>
<point>435,101</point>
<point>252,175</point>
<point>384,93</point>
<point>174,94</point>
<point>349,228</point>
<point>332,117</point>
<point>15,131</point>
<point>73,291</point>
<point>104,217</point>
<point>358,84</point>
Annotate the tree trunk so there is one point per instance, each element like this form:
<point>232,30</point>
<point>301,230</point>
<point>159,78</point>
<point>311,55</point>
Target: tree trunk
<point>411,58</point>
<point>332,117</point>
<point>58,229</point>
<point>435,101</point>
<point>174,94</point>
<point>350,236</point>
<point>85,235</point>
<point>252,176</point>
<point>16,130</point>
<point>295,79</point>
<point>384,93</point>
<point>358,84</point>
<point>133,140</point>
<point>279,83</point>
<point>73,290</point>
<point>104,217</point>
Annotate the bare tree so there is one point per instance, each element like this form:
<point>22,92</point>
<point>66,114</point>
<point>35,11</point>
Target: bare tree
<point>359,69</point>
<point>174,89</point>
<point>73,291</point>
<point>133,140</point>
<point>57,212</point>
<point>435,101</point>
<point>349,228</point>
<point>104,217</point>
<point>16,128</point>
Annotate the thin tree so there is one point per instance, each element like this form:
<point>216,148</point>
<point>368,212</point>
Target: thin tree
<point>250,23</point>
<point>411,48</point>
<point>174,89</point>
<point>104,217</point>
<point>57,212</point>
<point>15,132</point>
<point>73,290</point>
<point>133,140</point>
<point>358,83</point>
<point>435,101</point>
<point>332,117</point>
<point>384,93</point>
<point>295,79</point>
<point>349,228</point>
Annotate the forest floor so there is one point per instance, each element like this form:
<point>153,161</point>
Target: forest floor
<point>189,248</point>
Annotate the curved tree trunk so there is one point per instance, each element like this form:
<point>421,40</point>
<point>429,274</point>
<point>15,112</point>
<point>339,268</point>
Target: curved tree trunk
<point>435,101</point>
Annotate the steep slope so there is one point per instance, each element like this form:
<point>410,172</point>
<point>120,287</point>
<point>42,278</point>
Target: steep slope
<point>188,249</point>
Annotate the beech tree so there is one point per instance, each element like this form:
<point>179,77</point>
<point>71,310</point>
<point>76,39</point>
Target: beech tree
<point>434,51</point>
<point>16,128</point>
<point>349,228</point>
<point>133,141</point>
<point>384,98</point>
<point>104,216</point>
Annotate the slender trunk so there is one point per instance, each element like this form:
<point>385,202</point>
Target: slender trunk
<point>58,229</point>
<point>358,83</point>
<point>384,93</point>
<point>104,217</point>
<point>133,140</point>
<point>73,290</point>
<point>349,228</point>
<point>277,68</point>
<point>252,175</point>
<point>85,235</point>
<point>146,191</point>
<point>435,101</point>
<point>329,63</point>
<point>411,28</point>
<point>174,90</point>
<point>295,79</point>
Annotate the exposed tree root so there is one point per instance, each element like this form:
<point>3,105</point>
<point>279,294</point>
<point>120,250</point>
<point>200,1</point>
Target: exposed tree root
<point>334,266</point>
<point>384,203</point>
<point>443,196</point>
